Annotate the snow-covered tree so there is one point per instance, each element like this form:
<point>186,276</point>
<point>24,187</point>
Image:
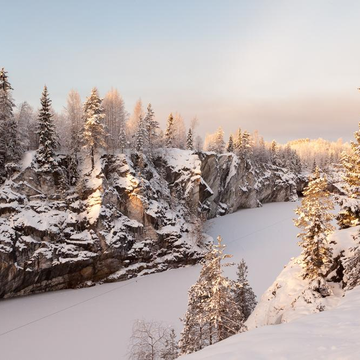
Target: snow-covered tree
<point>133,123</point>
<point>122,138</point>
<point>244,295</point>
<point>48,140</point>
<point>151,127</point>
<point>315,222</point>
<point>350,208</point>
<point>246,146</point>
<point>179,140</point>
<point>215,142</point>
<point>199,143</point>
<point>140,135</point>
<point>27,126</point>
<point>115,117</point>
<point>212,314</point>
<point>352,266</point>
<point>169,133</point>
<point>238,141</point>
<point>171,351</point>
<point>152,341</point>
<point>230,145</point>
<point>94,129</point>
<point>189,140</point>
<point>10,145</point>
<point>74,114</point>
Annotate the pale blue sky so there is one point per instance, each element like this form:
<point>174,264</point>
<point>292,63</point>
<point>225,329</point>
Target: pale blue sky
<point>287,68</point>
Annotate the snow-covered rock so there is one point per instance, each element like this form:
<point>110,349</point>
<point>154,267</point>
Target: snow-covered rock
<point>131,215</point>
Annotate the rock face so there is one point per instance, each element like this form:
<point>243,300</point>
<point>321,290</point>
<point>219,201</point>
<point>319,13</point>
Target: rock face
<point>128,216</point>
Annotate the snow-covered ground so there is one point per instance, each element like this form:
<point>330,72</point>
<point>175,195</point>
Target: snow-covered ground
<point>329,335</point>
<point>96,323</point>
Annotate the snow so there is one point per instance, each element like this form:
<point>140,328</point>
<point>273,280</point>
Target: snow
<point>96,322</point>
<point>330,335</point>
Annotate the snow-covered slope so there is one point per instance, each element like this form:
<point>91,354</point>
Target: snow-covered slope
<point>329,335</point>
<point>291,297</point>
<point>95,323</point>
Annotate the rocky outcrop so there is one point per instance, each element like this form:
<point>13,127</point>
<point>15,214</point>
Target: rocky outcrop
<point>129,216</point>
<point>230,183</point>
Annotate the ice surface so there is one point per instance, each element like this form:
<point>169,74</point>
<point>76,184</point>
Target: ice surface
<point>96,322</point>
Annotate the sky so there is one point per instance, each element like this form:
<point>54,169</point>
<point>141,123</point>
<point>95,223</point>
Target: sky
<point>289,69</point>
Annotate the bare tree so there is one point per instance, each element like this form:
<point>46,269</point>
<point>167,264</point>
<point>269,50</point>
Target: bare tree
<point>151,341</point>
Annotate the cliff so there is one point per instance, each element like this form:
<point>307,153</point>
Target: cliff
<point>130,216</point>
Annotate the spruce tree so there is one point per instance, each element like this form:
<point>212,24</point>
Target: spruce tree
<point>169,133</point>
<point>315,222</point>
<point>244,295</point>
<point>94,129</point>
<point>140,135</point>
<point>230,146</point>
<point>48,142</point>
<point>189,140</point>
<point>150,127</point>
<point>10,144</point>
<point>212,314</point>
<point>350,209</point>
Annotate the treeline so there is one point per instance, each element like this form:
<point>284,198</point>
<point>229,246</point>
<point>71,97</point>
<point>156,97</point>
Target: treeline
<point>104,123</point>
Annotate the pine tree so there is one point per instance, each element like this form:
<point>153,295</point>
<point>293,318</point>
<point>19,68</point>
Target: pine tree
<point>315,222</point>
<point>230,146</point>
<point>94,130</point>
<point>244,295</point>
<point>169,134</point>
<point>350,209</point>
<point>189,140</point>
<point>212,314</point>
<point>48,142</point>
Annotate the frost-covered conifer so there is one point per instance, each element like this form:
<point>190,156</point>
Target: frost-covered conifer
<point>10,144</point>
<point>189,140</point>
<point>246,148</point>
<point>315,222</point>
<point>349,214</point>
<point>212,314</point>
<point>150,127</point>
<point>244,295</point>
<point>94,130</point>
<point>48,142</point>
<point>140,135</point>
<point>230,146</point>
<point>169,133</point>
